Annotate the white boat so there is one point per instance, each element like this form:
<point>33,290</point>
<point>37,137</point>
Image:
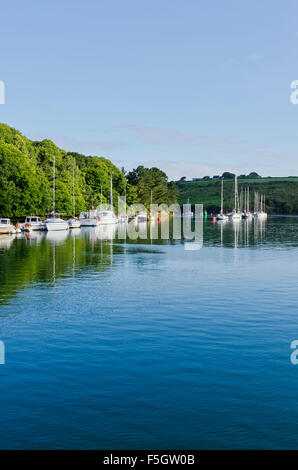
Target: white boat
<point>188,212</point>
<point>33,223</point>
<point>236,214</point>
<point>73,222</point>
<point>54,222</point>
<point>89,219</point>
<point>247,214</point>
<point>221,215</point>
<point>6,226</point>
<point>142,217</point>
<point>260,212</point>
<point>123,219</point>
<point>107,217</point>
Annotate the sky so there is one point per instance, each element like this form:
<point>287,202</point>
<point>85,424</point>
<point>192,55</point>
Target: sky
<point>193,87</point>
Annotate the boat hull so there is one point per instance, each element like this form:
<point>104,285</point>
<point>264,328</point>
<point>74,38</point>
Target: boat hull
<point>55,226</point>
<point>89,222</point>
<point>6,230</point>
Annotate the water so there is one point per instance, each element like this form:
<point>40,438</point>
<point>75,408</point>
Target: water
<point>146,345</point>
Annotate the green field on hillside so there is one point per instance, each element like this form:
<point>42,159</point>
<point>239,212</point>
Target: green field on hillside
<point>281,193</point>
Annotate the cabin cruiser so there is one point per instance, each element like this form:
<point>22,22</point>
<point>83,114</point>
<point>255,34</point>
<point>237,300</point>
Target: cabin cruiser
<point>107,217</point>
<point>6,226</point>
<point>89,219</point>
<point>53,222</point>
<point>33,223</point>
<point>74,222</point>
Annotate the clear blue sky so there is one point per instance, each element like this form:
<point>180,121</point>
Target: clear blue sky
<point>194,87</point>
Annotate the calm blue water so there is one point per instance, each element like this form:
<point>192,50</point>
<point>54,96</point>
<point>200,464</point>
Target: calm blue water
<point>146,345</point>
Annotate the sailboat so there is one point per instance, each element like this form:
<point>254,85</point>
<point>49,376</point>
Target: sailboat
<point>151,217</point>
<point>221,215</point>
<point>260,211</point>
<point>53,221</point>
<point>74,221</point>
<point>236,214</point>
<point>247,214</point>
<point>108,216</point>
<point>188,212</point>
<point>122,216</point>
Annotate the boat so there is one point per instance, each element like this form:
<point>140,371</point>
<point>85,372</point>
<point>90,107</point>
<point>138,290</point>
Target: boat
<point>221,215</point>
<point>6,226</point>
<point>247,214</point>
<point>123,219</point>
<point>188,212</point>
<point>151,217</point>
<point>260,212</point>
<point>73,222</point>
<point>236,214</point>
<point>89,219</point>
<point>108,216</point>
<point>33,223</point>
<point>53,221</point>
<point>142,217</point>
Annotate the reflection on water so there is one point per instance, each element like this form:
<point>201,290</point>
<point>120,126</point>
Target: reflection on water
<point>45,256</point>
<point>120,343</point>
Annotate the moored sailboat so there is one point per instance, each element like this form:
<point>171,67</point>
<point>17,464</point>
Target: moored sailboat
<point>221,215</point>
<point>236,214</point>
<point>73,222</point>
<point>53,221</point>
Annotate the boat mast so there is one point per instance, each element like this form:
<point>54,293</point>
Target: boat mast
<point>111,190</point>
<point>54,162</point>
<point>221,198</point>
<point>236,195</point>
<point>73,192</point>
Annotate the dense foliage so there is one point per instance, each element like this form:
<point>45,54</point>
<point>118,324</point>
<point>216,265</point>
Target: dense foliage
<point>26,178</point>
<point>152,183</point>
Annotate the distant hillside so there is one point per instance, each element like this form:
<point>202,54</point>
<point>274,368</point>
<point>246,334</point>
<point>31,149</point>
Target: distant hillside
<point>281,193</point>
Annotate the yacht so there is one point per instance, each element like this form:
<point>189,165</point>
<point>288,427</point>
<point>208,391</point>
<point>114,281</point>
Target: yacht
<point>33,223</point>
<point>260,212</point>
<point>236,214</point>
<point>221,215</point>
<point>107,217</point>
<point>89,219</point>
<point>6,226</point>
<point>54,222</point>
<point>73,222</point>
<point>247,214</point>
<point>151,216</point>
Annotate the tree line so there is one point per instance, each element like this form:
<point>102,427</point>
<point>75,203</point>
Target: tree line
<point>26,179</point>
